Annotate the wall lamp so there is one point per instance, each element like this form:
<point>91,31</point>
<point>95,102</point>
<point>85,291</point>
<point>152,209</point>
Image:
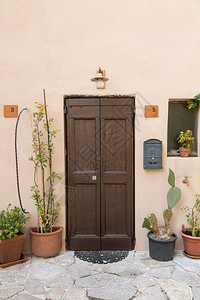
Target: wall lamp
<point>100,79</point>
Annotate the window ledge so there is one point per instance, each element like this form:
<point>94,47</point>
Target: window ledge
<point>178,155</point>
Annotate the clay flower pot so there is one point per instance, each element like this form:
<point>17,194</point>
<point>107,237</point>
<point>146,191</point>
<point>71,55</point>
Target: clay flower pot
<point>46,244</point>
<point>184,152</point>
<point>191,245</point>
<point>11,249</point>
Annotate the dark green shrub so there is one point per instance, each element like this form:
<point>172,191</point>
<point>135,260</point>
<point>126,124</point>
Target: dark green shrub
<point>12,220</point>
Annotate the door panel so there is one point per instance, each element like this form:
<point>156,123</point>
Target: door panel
<point>83,164</point>
<point>116,176</point>
<point>100,144</point>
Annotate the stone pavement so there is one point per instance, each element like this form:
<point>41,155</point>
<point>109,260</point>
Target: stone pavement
<point>68,278</point>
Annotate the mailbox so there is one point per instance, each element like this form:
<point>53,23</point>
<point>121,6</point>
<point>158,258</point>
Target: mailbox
<point>152,154</point>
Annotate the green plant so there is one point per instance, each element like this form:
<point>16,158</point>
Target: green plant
<point>185,139</point>
<point>173,196</point>
<point>193,216</point>
<point>193,103</point>
<point>43,191</point>
<point>12,220</point>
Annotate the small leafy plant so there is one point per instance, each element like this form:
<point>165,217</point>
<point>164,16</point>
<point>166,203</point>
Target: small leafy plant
<point>185,139</point>
<point>193,103</point>
<point>12,221</point>
<point>193,216</point>
<point>43,191</point>
<point>173,196</point>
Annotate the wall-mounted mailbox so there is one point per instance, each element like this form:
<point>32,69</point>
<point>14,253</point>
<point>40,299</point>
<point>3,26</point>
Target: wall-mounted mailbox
<point>152,154</point>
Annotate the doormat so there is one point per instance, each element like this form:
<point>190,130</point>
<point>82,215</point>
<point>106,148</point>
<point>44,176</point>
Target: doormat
<point>101,257</point>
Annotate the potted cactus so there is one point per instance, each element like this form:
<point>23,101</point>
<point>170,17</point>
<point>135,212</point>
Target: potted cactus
<point>162,239</point>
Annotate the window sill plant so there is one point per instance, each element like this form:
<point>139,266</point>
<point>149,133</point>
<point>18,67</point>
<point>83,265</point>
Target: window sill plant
<point>162,239</point>
<point>193,103</point>
<point>191,235</point>
<point>185,139</point>
<point>46,240</point>
<point>12,221</point>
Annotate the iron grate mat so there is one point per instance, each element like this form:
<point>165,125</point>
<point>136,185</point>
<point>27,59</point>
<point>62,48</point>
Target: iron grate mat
<point>101,257</point>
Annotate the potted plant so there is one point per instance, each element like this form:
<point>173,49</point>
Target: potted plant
<point>162,239</point>
<point>46,240</point>
<point>185,139</point>
<point>12,221</point>
<point>191,234</point>
<point>193,102</point>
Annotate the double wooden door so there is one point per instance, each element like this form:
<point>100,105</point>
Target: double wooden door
<point>100,200</point>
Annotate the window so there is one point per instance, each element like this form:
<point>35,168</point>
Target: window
<point>180,118</point>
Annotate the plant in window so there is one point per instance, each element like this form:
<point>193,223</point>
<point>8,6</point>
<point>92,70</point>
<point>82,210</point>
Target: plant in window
<point>185,139</point>
<point>193,103</point>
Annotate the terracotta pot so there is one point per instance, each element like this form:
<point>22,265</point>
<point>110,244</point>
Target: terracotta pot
<point>11,249</point>
<point>191,244</point>
<point>184,152</point>
<point>46,244</point>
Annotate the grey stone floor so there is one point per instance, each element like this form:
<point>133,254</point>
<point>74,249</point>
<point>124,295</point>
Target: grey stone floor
<point>68,278</point>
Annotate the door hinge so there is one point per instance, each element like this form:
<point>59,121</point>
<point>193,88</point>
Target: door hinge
<point>134,109</point>
<point>65,109</point>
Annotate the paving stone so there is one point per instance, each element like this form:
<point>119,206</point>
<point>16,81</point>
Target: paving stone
<point>138,265</point>
<point>175,290</point>
<point>130,273</point>
<point>142,255</point>
<point>152,293</point>
<point>118,292</point>
<point>116,268</point>
<point>24,296</point>
<point>8,278</point>
<point>34,287</point>
<point>45,271</point>
<point>185,277</point>
<point>9,291</point>
<point>24,267</point>
<point>142,281</point>
<point>131,254</point>
<point>66,257</point>
<point>75,294</point>
<point>165,272</point>
<point>97,268</point>
<point>64,282</point>
<point>63,259</point>
<point>196,292</point>
<point>54,294</point>
<point>151,263</point>
<point>78,271</point>
<point>187,263</point>
<point>100,280</point>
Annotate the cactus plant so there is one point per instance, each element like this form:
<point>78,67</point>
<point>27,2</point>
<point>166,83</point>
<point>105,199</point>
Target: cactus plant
<point>173,196</point>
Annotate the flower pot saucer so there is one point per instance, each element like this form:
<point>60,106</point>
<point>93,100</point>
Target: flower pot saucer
<point>190,256</point>
<point>22,259</point>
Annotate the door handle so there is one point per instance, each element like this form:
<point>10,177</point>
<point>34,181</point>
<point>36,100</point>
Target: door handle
<point>94,177</point>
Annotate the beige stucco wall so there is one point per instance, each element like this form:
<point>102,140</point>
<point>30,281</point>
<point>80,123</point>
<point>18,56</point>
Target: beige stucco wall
<point>148,47</point>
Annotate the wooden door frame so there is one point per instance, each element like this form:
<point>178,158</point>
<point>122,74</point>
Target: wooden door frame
<point>74,96</point>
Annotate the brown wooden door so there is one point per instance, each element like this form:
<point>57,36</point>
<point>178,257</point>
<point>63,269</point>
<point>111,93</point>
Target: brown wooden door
<point>100,173</point>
